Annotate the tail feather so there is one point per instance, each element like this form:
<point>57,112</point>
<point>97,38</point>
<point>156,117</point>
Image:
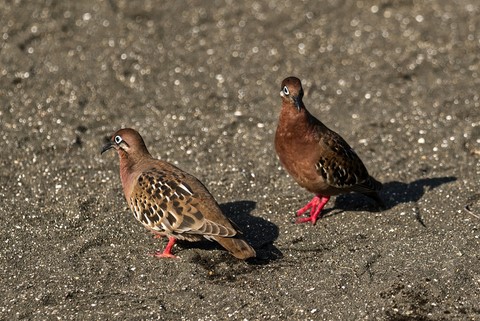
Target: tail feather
<point>373,184</point>
<point>237,246</point>
<point>374,196</point>
<point>370,188</point>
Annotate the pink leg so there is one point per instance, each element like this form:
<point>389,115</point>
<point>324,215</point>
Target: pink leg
<point>167,252</point>
<point>315,206</point>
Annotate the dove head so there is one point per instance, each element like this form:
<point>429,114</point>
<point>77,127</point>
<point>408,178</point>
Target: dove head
<point>133,156</point>
<point>128,143</point>
<point>292,92</point>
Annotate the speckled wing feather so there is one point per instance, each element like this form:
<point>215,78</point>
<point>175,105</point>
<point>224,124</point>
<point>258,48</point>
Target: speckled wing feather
<point>166,204</point>
<point>340,166</point>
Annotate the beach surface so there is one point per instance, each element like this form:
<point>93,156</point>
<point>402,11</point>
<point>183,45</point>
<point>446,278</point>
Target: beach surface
<point>200,80</point>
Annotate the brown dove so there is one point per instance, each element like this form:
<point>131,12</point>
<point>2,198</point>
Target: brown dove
<point>317,158</point>
<point>170,202</point>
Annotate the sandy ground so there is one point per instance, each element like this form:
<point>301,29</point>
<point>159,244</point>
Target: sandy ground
<point>201,80</point>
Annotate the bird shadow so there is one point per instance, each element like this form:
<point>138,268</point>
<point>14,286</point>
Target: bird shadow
<point>258,232</point>
<point>393,193</point>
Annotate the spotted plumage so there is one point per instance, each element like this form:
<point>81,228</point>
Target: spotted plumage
<point>317,158</point>
<point>170,202</point>
<point>167,206</point>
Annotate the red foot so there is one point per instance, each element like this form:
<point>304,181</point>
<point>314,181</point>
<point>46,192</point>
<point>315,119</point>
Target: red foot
<point>315,206</point>
<point>167,251</point>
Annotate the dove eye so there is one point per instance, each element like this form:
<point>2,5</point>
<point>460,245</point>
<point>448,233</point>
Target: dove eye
<point>118,139</point>
<point>285,91</point>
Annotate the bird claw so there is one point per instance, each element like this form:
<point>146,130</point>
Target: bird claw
<point>306,219</point>
<point>304,209</point>
<point>167,252</point>
<point>160,254</point>
<point>315,206</point>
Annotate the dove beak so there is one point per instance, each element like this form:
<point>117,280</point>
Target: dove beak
<point>108,146</point>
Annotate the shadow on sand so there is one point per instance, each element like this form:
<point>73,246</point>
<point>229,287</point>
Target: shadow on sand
<point>393,193</point>
<point>259,232</point>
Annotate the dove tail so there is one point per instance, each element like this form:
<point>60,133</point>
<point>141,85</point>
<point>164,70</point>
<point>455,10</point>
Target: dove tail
<point>370,188</point>
<point>374,196</point>
<point>237,246</point>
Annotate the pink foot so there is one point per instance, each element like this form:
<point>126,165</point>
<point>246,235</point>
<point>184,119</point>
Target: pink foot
<point>315,206</point>
<point>160,254</point>
<point>167,252</point>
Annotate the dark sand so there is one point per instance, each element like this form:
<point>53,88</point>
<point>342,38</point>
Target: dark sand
<point>200,80</point>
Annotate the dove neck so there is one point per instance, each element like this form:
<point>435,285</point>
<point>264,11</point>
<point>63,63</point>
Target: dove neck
<point>130,167</point>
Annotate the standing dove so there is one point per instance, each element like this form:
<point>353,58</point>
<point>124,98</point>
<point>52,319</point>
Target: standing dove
<point>170,202</point>
<point>317,158</point>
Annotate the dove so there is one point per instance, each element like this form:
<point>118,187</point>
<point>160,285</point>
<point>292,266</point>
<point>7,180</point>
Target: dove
<point>170,202</point>
<point>316,157</point>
